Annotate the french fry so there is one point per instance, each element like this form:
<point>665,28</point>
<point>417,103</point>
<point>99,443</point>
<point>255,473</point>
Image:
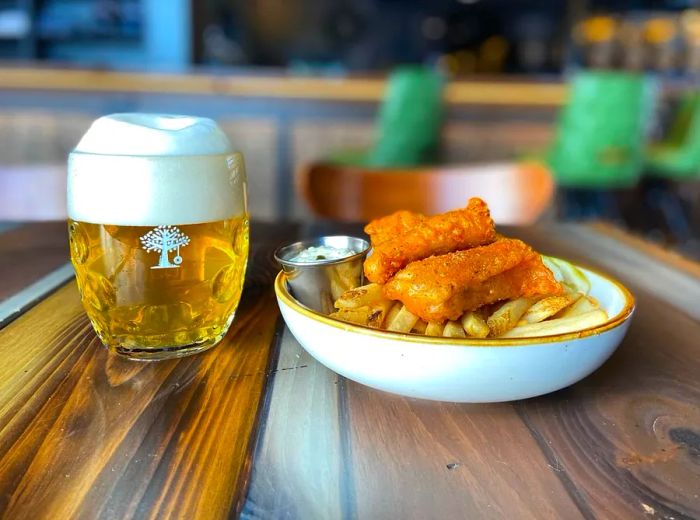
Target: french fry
<point>359,316</point>
<point>342,278</point>
<point>522,317</point>
<point>379,313</point>
<point>571,276</point>
<point>337,288</point>
<point>507,316</point>
<point>434,329</point>
<point>453,329</point>
<point>419,327</point>
<point>474,325</point>
<point>392,312</point>
<point>367,295</point>
<point>402,321</point>
<point>548,307</point>
<point>558,326</point>
<point>581,306</point>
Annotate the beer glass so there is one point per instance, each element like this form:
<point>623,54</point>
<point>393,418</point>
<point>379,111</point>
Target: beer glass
<point>158,229</point>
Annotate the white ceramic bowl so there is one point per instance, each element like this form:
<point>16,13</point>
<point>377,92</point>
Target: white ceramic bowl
<point>461,370</point>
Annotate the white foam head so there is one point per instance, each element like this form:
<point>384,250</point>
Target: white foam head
<point>154,134</point>
<point>154,169</point>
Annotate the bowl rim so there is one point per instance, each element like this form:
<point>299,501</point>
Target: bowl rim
<point>283,295</point>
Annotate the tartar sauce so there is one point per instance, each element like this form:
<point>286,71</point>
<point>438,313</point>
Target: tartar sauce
<point>314,254</point>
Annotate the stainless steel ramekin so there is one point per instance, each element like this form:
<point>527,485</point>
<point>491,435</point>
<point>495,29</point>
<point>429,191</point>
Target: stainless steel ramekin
<point>319,283</point>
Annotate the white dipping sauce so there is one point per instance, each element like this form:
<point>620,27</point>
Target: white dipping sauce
<point>320,253</point>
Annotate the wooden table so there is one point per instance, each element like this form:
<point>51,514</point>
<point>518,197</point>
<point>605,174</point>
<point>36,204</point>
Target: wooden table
<point>256,427</point>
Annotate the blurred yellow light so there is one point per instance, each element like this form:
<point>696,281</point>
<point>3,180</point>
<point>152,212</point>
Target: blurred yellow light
<point>598,29</point>
<point>659,30</point>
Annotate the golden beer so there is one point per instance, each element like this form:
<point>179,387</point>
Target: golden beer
<point>158,229</point>
<point>136,304</point>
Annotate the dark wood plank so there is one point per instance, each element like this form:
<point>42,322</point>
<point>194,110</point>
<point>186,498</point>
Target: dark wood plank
<point>84,434</point>
<point>628,436</point>
<point>620,444</point>
<point>419,459</point>
<point>299,469</point>
<point>331,448</point>
<point>29,252</point>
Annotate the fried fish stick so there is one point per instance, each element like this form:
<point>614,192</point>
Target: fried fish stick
<point>385,228</point>
<point>461,229</point>
<point>433,299</point>
<point>527,280</point>
<point>437,279</point>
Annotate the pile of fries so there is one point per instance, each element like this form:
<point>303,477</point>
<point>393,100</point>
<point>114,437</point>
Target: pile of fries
<point>523,317</point>
<point>454,275</point>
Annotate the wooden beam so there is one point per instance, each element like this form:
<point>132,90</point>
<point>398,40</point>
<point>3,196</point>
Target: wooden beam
<point>503,93</point>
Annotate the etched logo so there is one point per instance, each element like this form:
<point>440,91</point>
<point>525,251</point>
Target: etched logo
<point>165,239</point>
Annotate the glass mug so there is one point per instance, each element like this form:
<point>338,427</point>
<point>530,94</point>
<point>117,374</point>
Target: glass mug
<point>158,229</point>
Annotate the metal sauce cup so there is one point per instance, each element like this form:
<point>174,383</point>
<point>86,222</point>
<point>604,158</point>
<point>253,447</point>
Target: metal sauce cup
<point>318,284</point>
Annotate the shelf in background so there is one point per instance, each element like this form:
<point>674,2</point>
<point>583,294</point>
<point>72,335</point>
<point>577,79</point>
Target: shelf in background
<point>505,93</point>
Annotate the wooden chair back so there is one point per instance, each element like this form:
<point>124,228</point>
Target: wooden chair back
<point>516,193</point>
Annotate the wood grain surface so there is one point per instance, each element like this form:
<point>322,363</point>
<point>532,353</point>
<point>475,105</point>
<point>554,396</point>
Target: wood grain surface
<point>300,465</point>
<point>656,251</point>
<point>622,443</point>
<point>627,438</point>
<point>85,434</point>
<point>30,251</point>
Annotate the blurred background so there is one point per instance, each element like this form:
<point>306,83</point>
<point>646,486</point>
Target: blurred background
<point>347,109</point>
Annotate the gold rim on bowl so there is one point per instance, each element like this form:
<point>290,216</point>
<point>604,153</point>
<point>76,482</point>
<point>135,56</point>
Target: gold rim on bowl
<point>283,294</point>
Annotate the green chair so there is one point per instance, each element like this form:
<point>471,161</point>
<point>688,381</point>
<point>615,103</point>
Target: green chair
<point>678,156</point>
<point>600,136</point>
<point>408,125</point>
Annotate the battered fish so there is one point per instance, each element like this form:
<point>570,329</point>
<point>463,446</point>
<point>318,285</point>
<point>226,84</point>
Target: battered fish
<point>385,228</point>
<point>460,229</point>
<point>444,287</point>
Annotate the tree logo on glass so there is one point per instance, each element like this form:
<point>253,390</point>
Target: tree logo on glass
<point>165,239</point>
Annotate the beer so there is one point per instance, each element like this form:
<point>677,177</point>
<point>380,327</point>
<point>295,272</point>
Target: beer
<point>159,240</point>
<point>135,304</point>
